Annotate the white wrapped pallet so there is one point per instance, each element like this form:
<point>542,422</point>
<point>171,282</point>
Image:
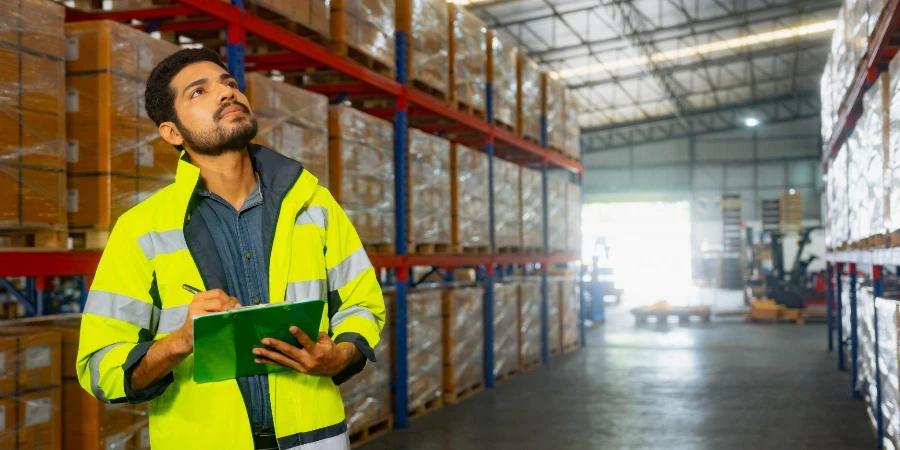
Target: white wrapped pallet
<point>875,8</point>
<point>875,139</point>
<point>837,221</point>
<point>827,101</point>
<point>892,160</point>
<point>865,330</point>
<point>843,77</point>
<point>887,359</point>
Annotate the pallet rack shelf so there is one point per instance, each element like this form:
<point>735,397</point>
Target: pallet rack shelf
<point>409,103</point>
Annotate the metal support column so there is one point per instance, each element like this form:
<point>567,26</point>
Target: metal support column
<point>40,297</point>
<point>878,291</point>
<point>829,301</point>
<point>488,306</point>
<point>401,410</point>
<point>854,335</point>
<point>581,312</point>
<point>545,238</point>
<point>236,38</point>
<point>839,303</point>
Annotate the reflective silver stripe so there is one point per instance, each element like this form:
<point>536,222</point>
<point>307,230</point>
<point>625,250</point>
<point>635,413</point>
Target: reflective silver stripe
<point>339,442</point>
<point>348,269</point>
<point>94,363</point>
<point>353,311</point>
<point>122,307</point>
<point>314,214</point>
<point>299,291</point>
<point>171,319</point>
<point>157,243</point>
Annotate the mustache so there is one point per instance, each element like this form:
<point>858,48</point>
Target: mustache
<point>222,107</point>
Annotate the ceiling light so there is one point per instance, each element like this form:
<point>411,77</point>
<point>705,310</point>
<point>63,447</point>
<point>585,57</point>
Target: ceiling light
<point>751,122</point>
<point>792,192</point>
<point>703,49</point>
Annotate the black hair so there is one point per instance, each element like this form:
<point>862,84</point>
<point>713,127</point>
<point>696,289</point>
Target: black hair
<point>159,96</point>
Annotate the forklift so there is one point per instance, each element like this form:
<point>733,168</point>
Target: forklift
<point>792,289</point>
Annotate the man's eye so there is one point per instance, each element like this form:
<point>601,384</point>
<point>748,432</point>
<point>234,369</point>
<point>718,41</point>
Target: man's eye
<point>232,84</point>
<point>196,92</point>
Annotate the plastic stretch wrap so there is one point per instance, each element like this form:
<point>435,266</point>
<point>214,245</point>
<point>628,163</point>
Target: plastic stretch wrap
<point>887,360</point>
<point>292,121</point>
<point>874,149</point>
<point>367,396</point>
<point>556,214</point>
<point>572,129</point>
<point>506,327</point>
<point>469,58</point>
<point>503,78</point>
<point>532,209</point>
<point>463,338</point>
<point>553,99</point>
<point>875,8</point>
<point>507,204</point>
<point>857,30</point>
<point>554,314</point>
<point>367,26</point>
<point>857,187</point>
<point>570,311</point>
<point>866,332</point>
<point>361,162</point>
<point>573,218</point>
<point>116,157</point>
<point>429,189</point>
<point>829,108</point>
<point>892,161</point>
<point>429,41</point>
<point>529,320</point>
<point>843,73</point>
<point>424,346</point>
<point>528,99</point>
<point>32,115</point>
<point>837,201</point>
<point>846,323</point>
<point>312,14</point>
<point>470,192</point>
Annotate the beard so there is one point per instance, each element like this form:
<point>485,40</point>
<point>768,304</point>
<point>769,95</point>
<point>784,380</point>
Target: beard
<point>221,140</point>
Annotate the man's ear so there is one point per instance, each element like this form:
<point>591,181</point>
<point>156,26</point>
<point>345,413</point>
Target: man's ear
<point>170,133</point>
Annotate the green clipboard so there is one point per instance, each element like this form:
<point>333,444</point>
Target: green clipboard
<point>224,342</point>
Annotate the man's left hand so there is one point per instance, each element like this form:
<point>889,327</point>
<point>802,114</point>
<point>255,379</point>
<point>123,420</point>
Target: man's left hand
<point>322,358</point>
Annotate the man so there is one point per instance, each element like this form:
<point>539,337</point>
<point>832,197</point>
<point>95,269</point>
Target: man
<point>246,226</point>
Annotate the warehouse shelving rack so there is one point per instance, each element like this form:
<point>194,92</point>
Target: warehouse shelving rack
<point>409,103</point>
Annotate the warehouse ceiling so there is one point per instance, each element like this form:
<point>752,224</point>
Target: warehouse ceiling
<point>650,70</point>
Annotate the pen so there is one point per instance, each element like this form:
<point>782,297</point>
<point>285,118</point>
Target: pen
<point>190,289</point>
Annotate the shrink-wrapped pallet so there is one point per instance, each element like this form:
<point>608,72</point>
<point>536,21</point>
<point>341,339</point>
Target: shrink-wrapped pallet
<point>842,70</point>
<point>463,346</point>
<point>556,214</point>
<point>875,150</point>
<point>892,160</point>
<point>427,24</point>
<point>502,74</point>
<point>506,328</point>
<point>468,59</point>
<point>888,347</point>
<point>858,188</point>
<point>572,129</point>
<point>313,15</point>
<point>865,374</point>
<point>528,99</point>
<point>553,100</point>
<point>365,29</point>
<point>857,29</point>
<point>361,162</point>
<point>570,312</point>
<point>554,314</point>
<point>507,205</point>
<point>838,206</point>
<point>532,209</point>
<point>424,348</point>
<point>573,218</point>
<point>826,94</point>
<point>32,115</point>
<point>116,157</point>
<point>529,321</point>
<point>292,121</point>
<point>470,191</point>
<point>429,189</point>
<point>367,395</point>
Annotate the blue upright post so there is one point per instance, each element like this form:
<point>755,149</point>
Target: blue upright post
<point>829,302</point>
<point>839,303</point>
<point>545,238</point>
<point>877,291</point>
<point>401,410</point>
<point>854,335</point>
<point>488,306</point>
<point>236,38</point>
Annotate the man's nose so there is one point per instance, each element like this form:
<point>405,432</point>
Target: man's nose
<point>226,94</point>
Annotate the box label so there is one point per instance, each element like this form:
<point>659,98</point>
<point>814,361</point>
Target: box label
<point>72,48</point>
<point>274,100</point>
<point>72,151</point>
<point>72,200</point>
<point>145,58</point>
<point>37,357</point>
<point>143,157</point>
<point>72,103</point>
<point>38,411</point>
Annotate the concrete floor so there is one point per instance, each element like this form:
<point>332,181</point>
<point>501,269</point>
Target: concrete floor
<point>721,385</point>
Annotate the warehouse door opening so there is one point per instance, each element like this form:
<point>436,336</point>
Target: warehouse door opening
<point>643,248</point>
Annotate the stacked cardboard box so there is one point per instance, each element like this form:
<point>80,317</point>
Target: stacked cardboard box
<point>468,58</point>
<point>423,348</point>
<point>292,121</point>
<point>429,189</point>
<point>838,219</point>
<point>32,115</point>
<point>532,209</point>
<point>857,187</point>
<point>30,399</point>
<point>570,312</point>
<point>365,26</point>
<point>506,328</point>
<point>463,340</point>
<point>554,316</point>
<point>892,159</point>
<point>361,162</point>
<point>553,100</point>
<point>556,214</point>
<point>367,396</point>
<point>528,99</point>
<point>572,129</point>
<point>312,14</point>
<point>875,143</point>
<point>573,218</point>
<point>115,153</point>
<point>502,74</point>
<point>507,205</point>
<point>529,321</point>
<point>471,225</point>
<point>428,26</point>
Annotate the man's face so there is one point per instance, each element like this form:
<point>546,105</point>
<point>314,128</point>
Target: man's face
<point>213,115</point>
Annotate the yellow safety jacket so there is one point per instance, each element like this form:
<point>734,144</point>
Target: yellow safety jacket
<point>136,298</point>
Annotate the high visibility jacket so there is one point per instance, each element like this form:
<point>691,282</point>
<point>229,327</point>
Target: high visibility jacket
<point>137,297</point>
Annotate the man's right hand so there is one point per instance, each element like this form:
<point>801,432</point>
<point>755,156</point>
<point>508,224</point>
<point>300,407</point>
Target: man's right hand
<point>208,302</point>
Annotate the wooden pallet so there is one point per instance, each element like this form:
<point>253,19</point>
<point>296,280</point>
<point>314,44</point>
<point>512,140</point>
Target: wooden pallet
<point>89,238</point>
<point>662,315</point>
<point>482,250</point>
<point>894,239</point>
<point>571,347</point>
<point>348,50</point>
<point>432,249</point>
<point>530,138</point>
<point>751,318</point>
<point>504,126</point>
<point>510,250</point>
<point>36,239</point>
<point>432,91</point>
<point>382,248</point>
<point>533,250</point>
<point>373,430</point>
<point>528,366</point>
<point>507,375</point>
<point>429,406</point>
<point>452,398</point>
<point>473,111</point>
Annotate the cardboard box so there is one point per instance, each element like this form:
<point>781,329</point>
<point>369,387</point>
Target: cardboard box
<point>40,420</point>
<point>70,331</point>
<point>463,342</point>
<point>38,28</point>
<point>38,354</point>
<point>104,46</point>
<point>31,197</point>
<point>532,208</point>
<point>8,417</point>
<point>429,189</point>
<point>90,424</point>
<point>99,200</point>
<point>469,195</point>
<point>9,351</point>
